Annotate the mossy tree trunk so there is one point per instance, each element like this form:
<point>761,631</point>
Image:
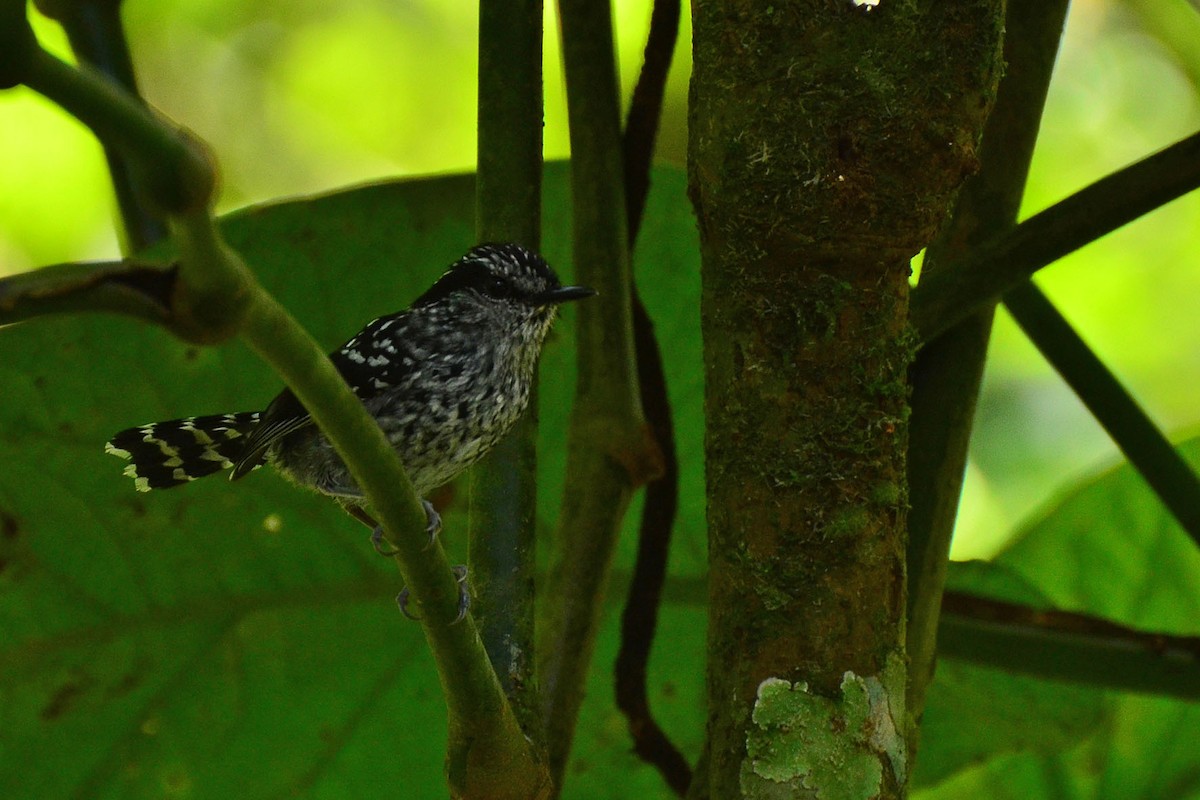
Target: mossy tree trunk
<point>827,143</point>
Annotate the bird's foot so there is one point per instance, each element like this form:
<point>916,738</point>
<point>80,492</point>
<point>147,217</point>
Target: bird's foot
<point>433,526</point>
<point>464,596</point>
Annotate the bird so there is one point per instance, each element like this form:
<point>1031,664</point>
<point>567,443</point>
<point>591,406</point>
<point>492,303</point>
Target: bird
<point>445,379</point>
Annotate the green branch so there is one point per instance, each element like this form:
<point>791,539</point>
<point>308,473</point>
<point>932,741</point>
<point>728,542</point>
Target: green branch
<point>169,164</point>
<point>508,186</point>
<point>608,453</point>
<point>135,289</point>
<point>17,44</point>
<point>1111,404</point>
<point>948,295</point>
<point>97,38</point>
<point>1042,642</point>
<point>488,754</point>
<point>509,174</point>
<point>947,372</point>
<point>1070,647</point>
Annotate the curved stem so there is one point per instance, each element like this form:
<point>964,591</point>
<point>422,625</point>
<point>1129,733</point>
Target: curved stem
<point>214,296</point>
<point>169,165</point>
<point>639,618</point>
<point>131,288</point>
<point>645,111</point>
<point>97,38</point>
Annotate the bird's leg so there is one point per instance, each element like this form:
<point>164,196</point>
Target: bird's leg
<point>381,545</point>
<point>433,526</point>
<point>464,596</point>
<point>357,512</point>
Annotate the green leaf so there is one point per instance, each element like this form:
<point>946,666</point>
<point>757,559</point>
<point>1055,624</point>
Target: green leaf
<point>1110,548</point>
<point>1107,548</point>
<point>978,715</point>
<point>222,640</point>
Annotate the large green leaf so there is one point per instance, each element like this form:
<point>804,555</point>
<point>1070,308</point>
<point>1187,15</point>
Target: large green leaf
<point>979,715</point>
<point>1109,548</point>
<point>241,640</point>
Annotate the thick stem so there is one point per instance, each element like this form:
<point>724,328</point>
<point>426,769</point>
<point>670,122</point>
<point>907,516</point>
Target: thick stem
<point>216,295</point>
<point>488,755</point>
<point>504,485</point>
<point>608,453</point>
<point>947,372</point>
<point>820,163</point>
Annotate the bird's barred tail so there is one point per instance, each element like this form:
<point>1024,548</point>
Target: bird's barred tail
<point>165,454</point>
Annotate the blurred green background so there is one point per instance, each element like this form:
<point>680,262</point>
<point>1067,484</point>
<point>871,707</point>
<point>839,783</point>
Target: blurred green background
<point>303,96</point>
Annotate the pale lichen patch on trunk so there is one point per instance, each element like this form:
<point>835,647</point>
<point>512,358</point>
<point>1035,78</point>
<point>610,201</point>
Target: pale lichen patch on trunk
<point>827,748</point>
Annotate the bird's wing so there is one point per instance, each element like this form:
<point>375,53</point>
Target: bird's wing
<point>371,362</point>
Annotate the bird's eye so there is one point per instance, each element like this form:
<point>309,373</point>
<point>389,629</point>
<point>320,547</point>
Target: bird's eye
<point>497,287</point>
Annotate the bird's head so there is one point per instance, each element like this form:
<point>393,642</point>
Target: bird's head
<point>502,283</point>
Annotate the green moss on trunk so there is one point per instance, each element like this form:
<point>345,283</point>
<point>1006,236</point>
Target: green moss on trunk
<point>827,145</point>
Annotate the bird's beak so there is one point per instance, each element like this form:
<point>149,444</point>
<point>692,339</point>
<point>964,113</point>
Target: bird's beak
<point>564,294</point>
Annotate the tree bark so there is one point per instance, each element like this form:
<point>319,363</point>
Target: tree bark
<point>827,143</point>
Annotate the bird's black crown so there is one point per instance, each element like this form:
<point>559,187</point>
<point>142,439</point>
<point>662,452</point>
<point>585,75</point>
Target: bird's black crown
<point>500,271</point>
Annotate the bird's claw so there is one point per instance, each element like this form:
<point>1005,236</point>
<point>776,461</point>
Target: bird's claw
<point>402,602</point>
<point>433,521</point>
<point>382,545</point>
<point>464,592</point>
<point>464,596</point>
<point>433,526</point>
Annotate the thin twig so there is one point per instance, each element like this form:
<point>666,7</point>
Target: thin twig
<point>645,111</point>
<point>1111,404</point>
<point>97,38</point>
<point>639,619</point>
<point>949,295</point>
<point>1068,646</point>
